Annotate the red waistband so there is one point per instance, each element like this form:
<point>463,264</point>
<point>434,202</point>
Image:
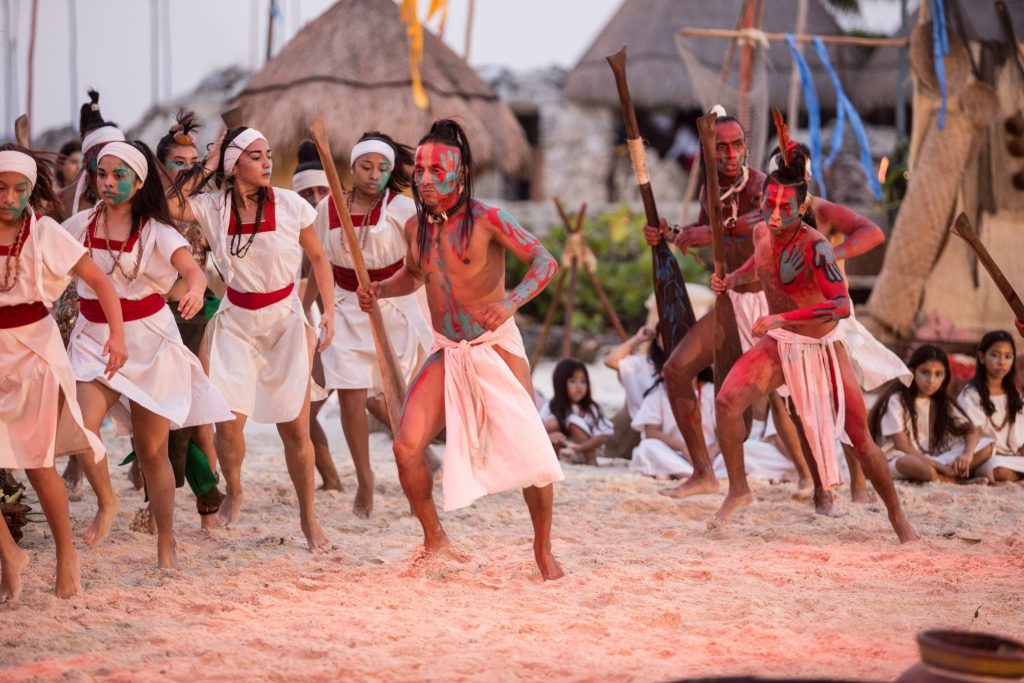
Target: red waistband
<point>347,280</point>
<point>131,309</point>
<point>22,314</point>
<point>257,300</point>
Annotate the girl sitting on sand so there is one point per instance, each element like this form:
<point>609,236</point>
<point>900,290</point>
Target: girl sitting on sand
<point>924,433</point>
<point>662,453</point>
<point>994,404</point>
<point>637,372</point>
<point>575,423</point>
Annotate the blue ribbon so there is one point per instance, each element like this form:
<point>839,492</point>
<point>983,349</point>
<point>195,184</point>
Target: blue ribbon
<point>940,48</point>
<point>813,113</point>
<point>844,109</point>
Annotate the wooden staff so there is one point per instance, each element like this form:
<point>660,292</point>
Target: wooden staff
<point>727,347</point>
<point>390,370</point>
<point>674,309</point>
<point>963,229</point>
<point>21,130</point>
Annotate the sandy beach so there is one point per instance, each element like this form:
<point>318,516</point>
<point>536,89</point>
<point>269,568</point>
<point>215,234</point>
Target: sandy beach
<point>649,593</point>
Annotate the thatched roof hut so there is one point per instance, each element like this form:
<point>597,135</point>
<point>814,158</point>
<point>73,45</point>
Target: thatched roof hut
<point>878,82</point>
<point>351,65</point>
<point>657,76</point>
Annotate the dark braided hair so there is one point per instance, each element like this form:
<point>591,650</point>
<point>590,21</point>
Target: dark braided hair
<point>43,197</point>
<point>1014,403</point>
<point>401,177</point>
<point>447,132</point>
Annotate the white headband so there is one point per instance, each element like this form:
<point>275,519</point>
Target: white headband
<point>370,146</point>
<point>313,177</point>
<point>239,145</point>
<point>130,155</point>
<point>19,162</point>
<point>100,136</point>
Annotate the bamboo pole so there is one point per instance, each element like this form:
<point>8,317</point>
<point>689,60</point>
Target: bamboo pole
<point>780,37</point>
<point>31,63</point>
<point>556,297</point>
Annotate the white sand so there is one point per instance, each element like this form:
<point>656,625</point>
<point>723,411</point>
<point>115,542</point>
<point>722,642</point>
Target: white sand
<point>648,594</point>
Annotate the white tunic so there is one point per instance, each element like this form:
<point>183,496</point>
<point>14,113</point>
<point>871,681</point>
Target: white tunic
<point>1008,438</point>
<point>34,367</point>
<point>259,359</point>
<point>653,456</point>
<point>350,362</point>
<point>636,375</point>
<point>591,423</point>
<point>161,374</point>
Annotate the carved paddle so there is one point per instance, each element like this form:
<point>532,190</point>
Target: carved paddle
<point>963,229</point>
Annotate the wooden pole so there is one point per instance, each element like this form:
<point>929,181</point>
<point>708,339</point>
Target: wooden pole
<point>781,37</point>
<point>793,103</point>
<point>963,229</point>
<point>154,51</point>
<point>570,303</point>
<point>73,60</point>
<point>747,56</point>
<point>270,29</point>
<point>469,31</point>
<point>31,63</point>
<point>390,371</point>
<point>556,297</point>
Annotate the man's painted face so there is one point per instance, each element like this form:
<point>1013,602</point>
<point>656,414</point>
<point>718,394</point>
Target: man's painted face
<point>14,195</point>
<point>780,207</point>
<point>438,175</point>
<point>730,149</point>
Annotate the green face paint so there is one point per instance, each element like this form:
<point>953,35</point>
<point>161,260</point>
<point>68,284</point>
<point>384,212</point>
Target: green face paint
<point>125,179</point>
<point>385,176</point>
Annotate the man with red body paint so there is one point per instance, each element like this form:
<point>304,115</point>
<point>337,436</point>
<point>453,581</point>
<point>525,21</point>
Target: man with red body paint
<point>476,383</point>
<point>807,296</point>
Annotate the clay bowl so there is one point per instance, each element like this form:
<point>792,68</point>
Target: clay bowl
<point>972,653</point>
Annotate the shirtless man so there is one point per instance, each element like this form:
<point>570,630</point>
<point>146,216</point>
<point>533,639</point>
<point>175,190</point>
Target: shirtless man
<point>800,346</point>
<point>476,382</point>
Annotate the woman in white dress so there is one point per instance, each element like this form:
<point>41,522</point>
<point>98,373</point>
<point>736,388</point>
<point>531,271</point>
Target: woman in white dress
<point>259,341</point>
<point>380,172</point>
<point>162,386</point>
<point>37,385</point>
<point>994,404</point>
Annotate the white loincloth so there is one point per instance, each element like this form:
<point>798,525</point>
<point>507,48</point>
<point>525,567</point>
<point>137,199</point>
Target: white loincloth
<point>873,362</point>
<point>810,366</point>
<point>749,306</point>
<point>947,458</point>
<point>495,438</point>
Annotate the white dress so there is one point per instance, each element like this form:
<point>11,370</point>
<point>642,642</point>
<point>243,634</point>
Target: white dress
<point>34,366</point>
<point>259,351</point>
<point>350,362</point>
<point>591,423</point>
<point>161,374</point>
<point>636,375</point>
<point>655,457</point>
<point>1008,438</point>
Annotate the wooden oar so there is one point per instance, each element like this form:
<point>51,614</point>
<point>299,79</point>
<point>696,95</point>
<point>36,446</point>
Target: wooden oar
<point>232,118</point>
<point>727,346</point>
<point>21,130</point>
<point>390,370</point>
<point>674,308</point>
<point>963,229</point>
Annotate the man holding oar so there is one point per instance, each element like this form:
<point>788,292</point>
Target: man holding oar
<point>476,383</point>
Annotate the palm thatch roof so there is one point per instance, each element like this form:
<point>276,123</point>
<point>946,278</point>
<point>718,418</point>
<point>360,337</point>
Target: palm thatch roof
<point>351,65</point>
<point>657,76</point>
<point>878,80</point>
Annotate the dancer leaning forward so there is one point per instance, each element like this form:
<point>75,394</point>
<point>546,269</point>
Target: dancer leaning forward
<point>476,382</point>
<point>37,385</point>
<point>259,341</point>
<point>162,386</point>
<point>800,344</point>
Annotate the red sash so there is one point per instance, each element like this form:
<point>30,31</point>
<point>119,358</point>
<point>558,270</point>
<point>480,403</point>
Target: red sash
<point>256,300</point>
<point>113,245</point>
<point>268,223</point>
<point>22,314</point>
<point>131,309</point>
<point>346,277</point>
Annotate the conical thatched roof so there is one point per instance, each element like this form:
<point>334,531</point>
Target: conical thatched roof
<point>657,76</point>
<point>351,65</point>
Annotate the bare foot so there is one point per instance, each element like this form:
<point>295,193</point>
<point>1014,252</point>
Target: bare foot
<point>546,563</point>
<point>862,495</point>
<point>101,523</point>
<point>974,481</point>
<point>362,505</point>
<point>68,577</point>
<point>439,550</point>
<point>332,485</point>
<point>10,583</point>
<point>166,552</point>
<point>904,531</point>
<point>729,506</point>
<point>804,489</point>
<point>823,502</point>
<point>135,475</point>
<point>208,522</point>
<point>230,508</point>
<point>316,539</point>
<point>692,487</point>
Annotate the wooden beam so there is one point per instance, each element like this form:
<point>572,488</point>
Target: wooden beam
<point>781,37</point>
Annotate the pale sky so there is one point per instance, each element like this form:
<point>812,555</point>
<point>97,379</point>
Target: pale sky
<point>114,47</point>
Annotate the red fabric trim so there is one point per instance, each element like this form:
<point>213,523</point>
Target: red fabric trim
<point>347,280</point>
<point>6,249</point>
<point>22,314</point>
<point>268,224</point>
<point>358,219</point>
<point>256,300</point>
<point>113,245</point>
<point>131,309</point>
